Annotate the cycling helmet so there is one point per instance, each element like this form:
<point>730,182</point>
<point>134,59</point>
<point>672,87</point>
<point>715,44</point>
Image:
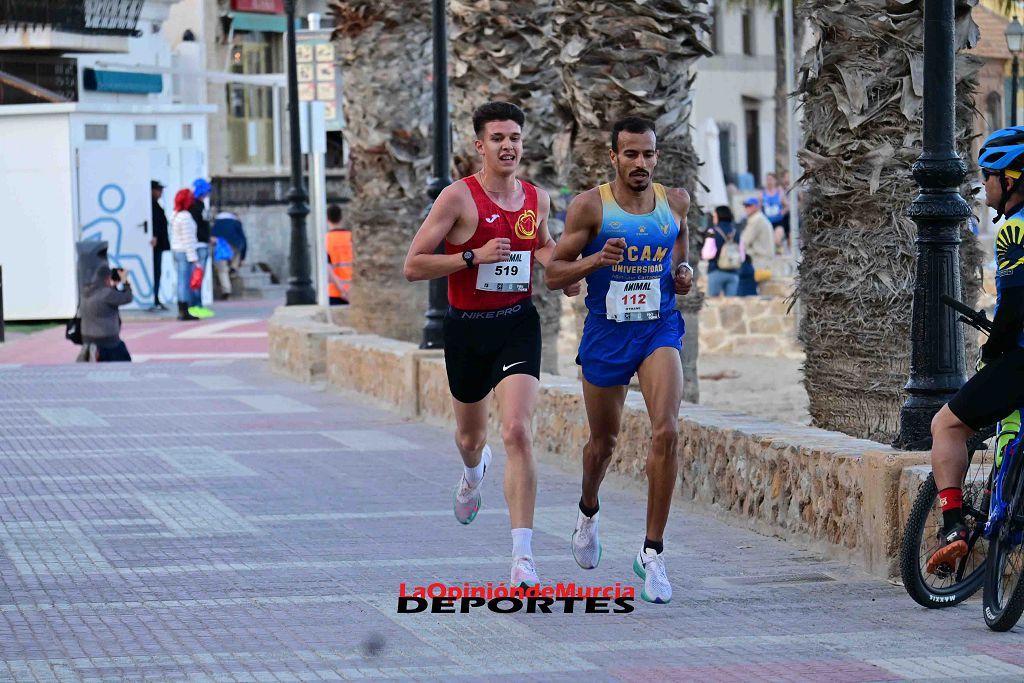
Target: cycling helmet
<point>1003,151</point>
<point>201,187</point>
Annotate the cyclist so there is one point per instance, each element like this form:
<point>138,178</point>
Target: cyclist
<point>997,389</point>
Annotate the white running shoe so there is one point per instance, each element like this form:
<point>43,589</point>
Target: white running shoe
<point>650,566</point>
<point>586,546</point>
<point>466,499</point>
<point>524,572</point>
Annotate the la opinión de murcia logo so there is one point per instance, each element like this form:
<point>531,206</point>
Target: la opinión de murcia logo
<point>567,598</point>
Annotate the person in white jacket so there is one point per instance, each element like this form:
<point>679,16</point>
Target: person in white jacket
<point>184,245</point>
<point>757,242</point>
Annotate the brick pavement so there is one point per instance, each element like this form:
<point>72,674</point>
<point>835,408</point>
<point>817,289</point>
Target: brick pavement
<point>206,521</point>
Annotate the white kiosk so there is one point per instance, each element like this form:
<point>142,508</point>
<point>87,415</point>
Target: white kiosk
<point>82,170</point>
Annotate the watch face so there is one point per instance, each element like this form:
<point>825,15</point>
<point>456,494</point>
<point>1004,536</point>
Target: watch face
<point>467,255</point>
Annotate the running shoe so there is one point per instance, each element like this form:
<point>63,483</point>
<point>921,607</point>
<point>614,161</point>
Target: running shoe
<point>201,312</point>
<point>586,546</point>
<point>524,572</point>
<point>954,546</point>
<point>650,566</point>
<point>466,499</point>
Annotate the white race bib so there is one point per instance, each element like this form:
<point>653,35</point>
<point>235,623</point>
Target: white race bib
<point>512,275</point>
<point>633,300</point>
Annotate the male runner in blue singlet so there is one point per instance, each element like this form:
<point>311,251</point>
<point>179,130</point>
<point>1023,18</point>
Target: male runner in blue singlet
<point>631,235</point>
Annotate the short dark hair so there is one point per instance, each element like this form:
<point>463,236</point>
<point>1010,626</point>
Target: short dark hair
<point>334,213</point>
<point>496,111</point>
<point>630,124</point>
<point>724,214</point>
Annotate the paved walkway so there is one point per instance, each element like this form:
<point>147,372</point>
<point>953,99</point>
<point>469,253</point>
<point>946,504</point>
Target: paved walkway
<point>207,521</point>
<point>238,331</point>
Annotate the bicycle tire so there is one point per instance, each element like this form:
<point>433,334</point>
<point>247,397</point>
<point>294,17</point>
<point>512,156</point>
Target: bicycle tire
<point>1002,615</point>
<point>920,525</point>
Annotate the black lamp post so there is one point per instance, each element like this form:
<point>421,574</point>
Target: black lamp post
<point>300,286</point>
<point>1014,41</point>
<point>937,342</point>
<point>437,304</point>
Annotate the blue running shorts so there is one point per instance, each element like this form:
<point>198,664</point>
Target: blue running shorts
<point>611,352</point>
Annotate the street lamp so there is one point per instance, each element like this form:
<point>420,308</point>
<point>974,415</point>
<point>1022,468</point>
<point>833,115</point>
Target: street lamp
<point>1014,41</point>
<point>437,303</point>
<point>937,344</point>
<point>300,286</point>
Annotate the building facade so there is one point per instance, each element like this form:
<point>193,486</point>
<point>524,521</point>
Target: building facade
<point>736,88</point>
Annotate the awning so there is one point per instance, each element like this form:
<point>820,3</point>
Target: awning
<point>253,21</point>
<point>121,81</point>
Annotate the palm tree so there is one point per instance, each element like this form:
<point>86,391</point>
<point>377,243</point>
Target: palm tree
<point>620,58</point>
<point>504,50</point>
<point>861,95</point>
<point>384,51</point>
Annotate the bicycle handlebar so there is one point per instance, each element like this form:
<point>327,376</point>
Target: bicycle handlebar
<point>976,319</point>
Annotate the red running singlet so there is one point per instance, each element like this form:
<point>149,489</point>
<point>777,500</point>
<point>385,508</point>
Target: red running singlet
<point>518,226</point>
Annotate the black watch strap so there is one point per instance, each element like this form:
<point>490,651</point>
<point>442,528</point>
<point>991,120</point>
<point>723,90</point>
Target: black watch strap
<point>467,256</point>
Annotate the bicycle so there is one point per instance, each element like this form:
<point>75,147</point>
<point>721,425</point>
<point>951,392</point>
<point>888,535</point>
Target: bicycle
<point>951,585</point>
<point>994,514</point>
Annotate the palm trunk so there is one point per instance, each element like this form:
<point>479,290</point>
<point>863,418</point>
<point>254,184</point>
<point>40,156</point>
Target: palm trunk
<point>636,58</point>
<point>385,53</point>
<point>862,128</point>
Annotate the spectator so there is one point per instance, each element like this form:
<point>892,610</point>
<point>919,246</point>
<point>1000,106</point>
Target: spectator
<point>773,201</point>
<point>758,244</point>
<point>101,322</point>
<point>339,257</point>
<point>200,191</point>
<point>184,245</point>
<point>722,280</point>
<point>228,249</point>
<point>159,242</point>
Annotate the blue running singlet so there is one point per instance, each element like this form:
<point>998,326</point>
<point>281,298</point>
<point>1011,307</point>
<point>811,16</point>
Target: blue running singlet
<point>632,304</point>
<point>641,287</point>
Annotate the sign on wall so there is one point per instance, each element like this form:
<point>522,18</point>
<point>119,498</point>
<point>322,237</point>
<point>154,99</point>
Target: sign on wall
<point>263,6</point>
<point>319,76</point>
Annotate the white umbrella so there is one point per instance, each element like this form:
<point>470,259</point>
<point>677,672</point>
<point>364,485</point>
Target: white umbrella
<point>711,171</point>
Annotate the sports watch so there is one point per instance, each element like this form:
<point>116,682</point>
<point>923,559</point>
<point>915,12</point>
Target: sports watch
<point>686,265</point>
<point>467,256</point>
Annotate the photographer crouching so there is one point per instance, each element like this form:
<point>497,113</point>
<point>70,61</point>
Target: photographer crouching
<point>101,322</point>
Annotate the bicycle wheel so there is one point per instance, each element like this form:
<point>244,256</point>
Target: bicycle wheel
<point>921,537</point>
<point>1003,596</point>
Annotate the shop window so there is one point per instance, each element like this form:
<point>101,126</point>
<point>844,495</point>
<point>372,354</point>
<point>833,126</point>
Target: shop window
<point>250,107</point>
<point>96,131</point>
<point>145,131</point>
<point>748,32</point>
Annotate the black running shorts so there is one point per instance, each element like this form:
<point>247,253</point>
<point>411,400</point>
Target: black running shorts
<point>993,393</point>
<point>481,348</point>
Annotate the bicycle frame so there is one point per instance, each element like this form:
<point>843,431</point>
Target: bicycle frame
<point>1000,507</point>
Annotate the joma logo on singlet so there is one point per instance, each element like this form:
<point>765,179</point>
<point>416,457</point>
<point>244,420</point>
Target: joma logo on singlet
<point>637,287</point>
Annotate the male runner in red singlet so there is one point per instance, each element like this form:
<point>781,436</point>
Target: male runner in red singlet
<point>494,227</point>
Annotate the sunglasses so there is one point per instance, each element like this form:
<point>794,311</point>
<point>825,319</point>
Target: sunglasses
<point>988,173</point>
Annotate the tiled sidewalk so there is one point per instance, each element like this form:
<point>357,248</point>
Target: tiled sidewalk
<point>206,521</point>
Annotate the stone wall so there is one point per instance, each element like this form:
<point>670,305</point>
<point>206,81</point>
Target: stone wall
<point>749,325</point>
<point>809,485</point>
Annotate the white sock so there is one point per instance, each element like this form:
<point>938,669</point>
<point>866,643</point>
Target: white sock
<point>521,542</point>
<point>475,474</point>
